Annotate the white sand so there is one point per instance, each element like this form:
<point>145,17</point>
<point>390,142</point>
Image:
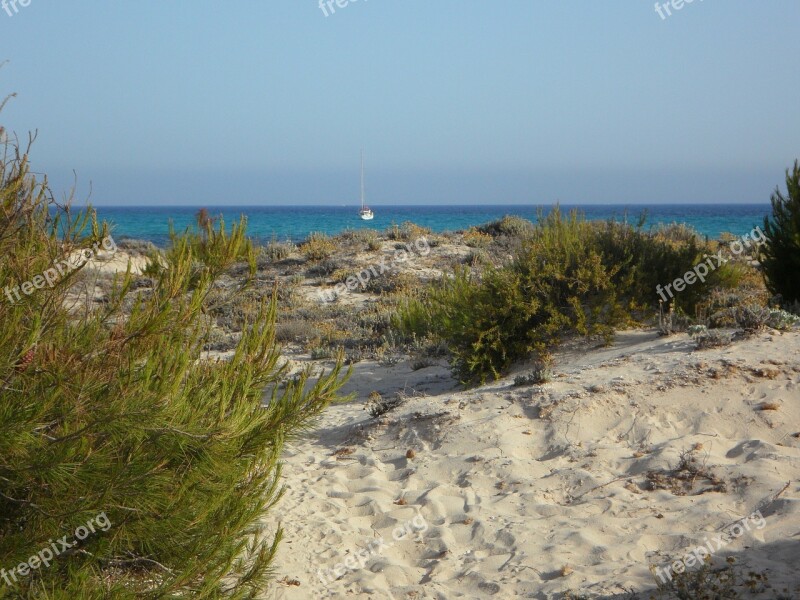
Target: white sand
<point>533,491</point>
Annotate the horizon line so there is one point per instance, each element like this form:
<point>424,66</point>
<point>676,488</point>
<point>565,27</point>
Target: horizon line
<point>376,205</point>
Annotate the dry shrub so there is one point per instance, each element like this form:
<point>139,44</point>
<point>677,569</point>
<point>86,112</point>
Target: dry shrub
<point>318,246</point>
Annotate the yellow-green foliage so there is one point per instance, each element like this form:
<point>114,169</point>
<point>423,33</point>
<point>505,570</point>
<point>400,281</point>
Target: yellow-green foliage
<point>475,239</point>
<point>509,226</point>
<point>570,276</point>
<point>318,246</point>
<point>647,260</point>
<point>111,410</point>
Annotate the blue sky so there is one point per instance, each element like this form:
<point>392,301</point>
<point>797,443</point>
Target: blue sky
<point>454,101</point>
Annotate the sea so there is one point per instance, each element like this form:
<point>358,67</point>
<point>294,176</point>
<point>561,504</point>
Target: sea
<point>295,223</point>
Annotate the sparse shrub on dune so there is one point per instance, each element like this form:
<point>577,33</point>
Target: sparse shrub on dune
<point>509,226</point>
<point>107,411</point>
<point>318,246</point>
<point>368,237</point>
<point>295,331</point>
<point>476,239</point>
<point>720,308</point>
<point>541,373</point>
<point>477,257</point>
<point>276,251</point>
<point>751,318</point>
<point>393,282</point>
<point>705,339</point>
<point>679,232</point>
<point>782,320</point>
<point>407,232</point>
<point>324,267</point>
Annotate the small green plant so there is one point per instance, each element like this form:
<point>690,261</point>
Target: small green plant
<point>697,330</point>
<point>538,376</point>
<point>540,373</point>
<point>712,339</point>
<point>752,318</point>
<point>276,251</point>
<point>369,237</point>
<point>726,582</point>
<point>782,320</point>
<point>322,352</point>
<point>377,405</point>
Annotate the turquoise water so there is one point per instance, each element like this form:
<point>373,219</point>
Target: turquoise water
<point>296,222</point>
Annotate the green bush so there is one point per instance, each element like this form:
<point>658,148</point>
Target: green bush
<point>557,283</point>
<point>570,276</point>
<point>109,410</point>
<point>780,255</point>
<point>646,260</point>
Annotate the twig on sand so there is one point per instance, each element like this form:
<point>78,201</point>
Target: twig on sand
<point>786,487</point>
<point>761,505</point>
<point>597,487</point>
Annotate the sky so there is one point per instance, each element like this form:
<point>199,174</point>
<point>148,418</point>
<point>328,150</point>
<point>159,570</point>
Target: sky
<point>453,101</point>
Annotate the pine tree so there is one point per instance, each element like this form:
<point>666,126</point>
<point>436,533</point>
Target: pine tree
<point>108,409</point>
<point>780,256</point>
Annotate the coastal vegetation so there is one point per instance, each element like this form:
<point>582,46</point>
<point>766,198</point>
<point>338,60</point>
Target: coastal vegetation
<point>109,409</point>
<point>141,397</point>
<point>570,276</point>
<point>780,258</point>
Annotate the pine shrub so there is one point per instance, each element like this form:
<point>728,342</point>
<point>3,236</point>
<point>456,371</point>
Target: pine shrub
<point>780,255</point>
<point>110,410</point>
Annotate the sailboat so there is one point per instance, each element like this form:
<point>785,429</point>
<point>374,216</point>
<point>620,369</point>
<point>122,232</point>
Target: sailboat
<point>365,213</point>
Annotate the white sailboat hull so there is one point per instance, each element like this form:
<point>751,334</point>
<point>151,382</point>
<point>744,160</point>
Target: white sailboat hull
<point>365,213</point>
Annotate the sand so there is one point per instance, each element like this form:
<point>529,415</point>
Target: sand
<point>530,492</point>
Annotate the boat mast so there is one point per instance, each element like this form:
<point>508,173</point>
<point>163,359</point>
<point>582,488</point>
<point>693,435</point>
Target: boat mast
<point>362,180</point>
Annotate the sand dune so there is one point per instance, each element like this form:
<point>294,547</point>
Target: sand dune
<point>533,491</point>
